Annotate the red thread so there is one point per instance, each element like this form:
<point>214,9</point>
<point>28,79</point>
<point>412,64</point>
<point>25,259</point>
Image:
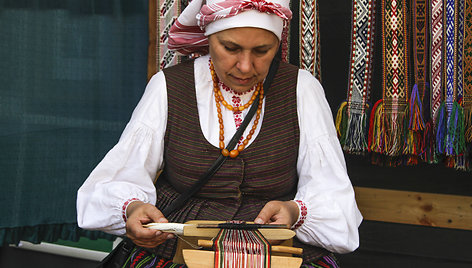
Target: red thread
<point>303,213</point>
<point>125,206</point>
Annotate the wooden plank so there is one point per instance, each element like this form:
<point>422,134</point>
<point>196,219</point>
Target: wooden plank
<point>152,45</point>
<point>428,209</point>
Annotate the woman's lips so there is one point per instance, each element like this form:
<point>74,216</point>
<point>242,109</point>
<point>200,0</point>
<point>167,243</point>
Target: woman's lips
<point>242,81</point>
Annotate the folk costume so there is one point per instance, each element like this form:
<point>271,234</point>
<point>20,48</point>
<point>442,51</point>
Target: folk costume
<point>294,153</point>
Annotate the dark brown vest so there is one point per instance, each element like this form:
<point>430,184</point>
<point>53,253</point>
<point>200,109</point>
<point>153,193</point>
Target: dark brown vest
<point>265,170</point>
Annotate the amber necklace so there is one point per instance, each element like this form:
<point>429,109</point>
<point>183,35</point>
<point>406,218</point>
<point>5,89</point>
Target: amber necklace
<point>219,99</point>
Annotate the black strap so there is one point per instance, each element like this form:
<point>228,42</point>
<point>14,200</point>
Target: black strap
<point>182,199</point>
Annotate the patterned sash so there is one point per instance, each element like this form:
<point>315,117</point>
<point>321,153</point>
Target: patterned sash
<point>450,132</point>
<point>415,143</point>
<point>467,98</point>
<point>167,13</point>
<point>436,56</point>
<point>459,48</point>
<point>309,49</point>
<point>386,135</point>
<point>436,71</point>
<point>351,118</point>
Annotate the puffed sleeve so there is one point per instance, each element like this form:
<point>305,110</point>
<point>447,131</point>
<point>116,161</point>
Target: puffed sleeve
<point>127,171</point>
<point>325,193</point>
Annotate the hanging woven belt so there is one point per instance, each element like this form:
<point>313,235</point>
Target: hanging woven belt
<point>351,120</point>
<point>386,133</point>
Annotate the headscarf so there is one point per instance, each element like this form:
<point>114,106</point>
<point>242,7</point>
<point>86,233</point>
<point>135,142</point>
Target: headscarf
<point>189,32</point>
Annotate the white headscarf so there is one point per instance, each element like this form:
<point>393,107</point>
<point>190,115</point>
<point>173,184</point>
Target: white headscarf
<point>189,32</point>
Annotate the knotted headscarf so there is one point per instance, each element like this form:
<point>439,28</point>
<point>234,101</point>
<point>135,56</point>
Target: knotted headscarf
<point>189,33</point>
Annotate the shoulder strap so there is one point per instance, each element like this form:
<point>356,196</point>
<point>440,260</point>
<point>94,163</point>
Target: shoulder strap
<point>182,199</point>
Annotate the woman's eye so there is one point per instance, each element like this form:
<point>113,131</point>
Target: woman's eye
<point>261,51</point>
<point>231,49</point>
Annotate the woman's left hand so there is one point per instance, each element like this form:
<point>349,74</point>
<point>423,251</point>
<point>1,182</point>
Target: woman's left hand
<point>278,212</point>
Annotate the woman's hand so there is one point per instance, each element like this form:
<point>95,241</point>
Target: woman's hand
<point>278,212</point>
<point>139,213</point>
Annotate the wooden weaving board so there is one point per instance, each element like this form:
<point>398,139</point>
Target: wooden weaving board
<point>275,236</point>
<point>206,259</point>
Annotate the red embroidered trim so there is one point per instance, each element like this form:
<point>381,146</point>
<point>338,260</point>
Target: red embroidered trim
<point>238,118</point>
<point>125,206</point>
<point>230,90</point>
<point>303,213</point>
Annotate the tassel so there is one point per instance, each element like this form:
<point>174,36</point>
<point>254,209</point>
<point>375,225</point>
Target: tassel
<point>395,134</point>
<point>355,141</point>
<point>460,163</point>
<point>468,124</point>
<point>455,142</point>
<point>341,122</point>
<point>376,138</point>
<point>416,110</point>
<point>441,129</point>
<point>468,159</point>
<point>429,153</point>
<point>450,161</point>
<point>468,137</point>
<point>414,144</point>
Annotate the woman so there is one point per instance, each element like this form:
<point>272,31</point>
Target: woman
<point>288,167</point>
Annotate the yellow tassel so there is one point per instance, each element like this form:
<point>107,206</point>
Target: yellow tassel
<point>376,130</point>
<point>339,117</point>
<point>341,121</point>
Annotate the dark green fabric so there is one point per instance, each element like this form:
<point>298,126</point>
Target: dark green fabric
<point>71,73</point>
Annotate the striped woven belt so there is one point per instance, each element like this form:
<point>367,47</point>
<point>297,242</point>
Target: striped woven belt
<point>415,143</point>
<point>436,56</point>
<point>351,119</point>
<point>450,126</point>
<point>467,98</point>
<point>309,49</point>
<point>387,136</point>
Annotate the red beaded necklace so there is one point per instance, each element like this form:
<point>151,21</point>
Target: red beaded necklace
<point>220,99</point>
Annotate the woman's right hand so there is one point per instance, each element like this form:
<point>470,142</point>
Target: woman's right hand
<point>139,213</point>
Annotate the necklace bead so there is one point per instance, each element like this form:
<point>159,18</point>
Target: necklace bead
<point>219,99</point>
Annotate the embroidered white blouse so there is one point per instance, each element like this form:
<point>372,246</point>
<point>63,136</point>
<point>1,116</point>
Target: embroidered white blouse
<point>127,171</point>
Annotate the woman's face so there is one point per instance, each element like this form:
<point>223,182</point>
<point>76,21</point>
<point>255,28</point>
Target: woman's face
<point>242,56</point>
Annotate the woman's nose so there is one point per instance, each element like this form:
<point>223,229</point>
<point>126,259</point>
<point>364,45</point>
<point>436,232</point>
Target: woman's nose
<point>245,62</point>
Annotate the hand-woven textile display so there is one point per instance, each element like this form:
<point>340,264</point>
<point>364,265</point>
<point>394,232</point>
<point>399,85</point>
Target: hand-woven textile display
<point>425,112</point>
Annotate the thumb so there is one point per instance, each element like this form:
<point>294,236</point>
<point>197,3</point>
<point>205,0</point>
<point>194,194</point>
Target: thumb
<point>266,214</point>
<point>155,214</point>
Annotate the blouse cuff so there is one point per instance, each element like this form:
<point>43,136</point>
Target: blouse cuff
<point>125,206</point>
<point>302,215</point>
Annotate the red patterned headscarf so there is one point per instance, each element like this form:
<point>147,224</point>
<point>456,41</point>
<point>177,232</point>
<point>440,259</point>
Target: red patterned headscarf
<point>189,33</point>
